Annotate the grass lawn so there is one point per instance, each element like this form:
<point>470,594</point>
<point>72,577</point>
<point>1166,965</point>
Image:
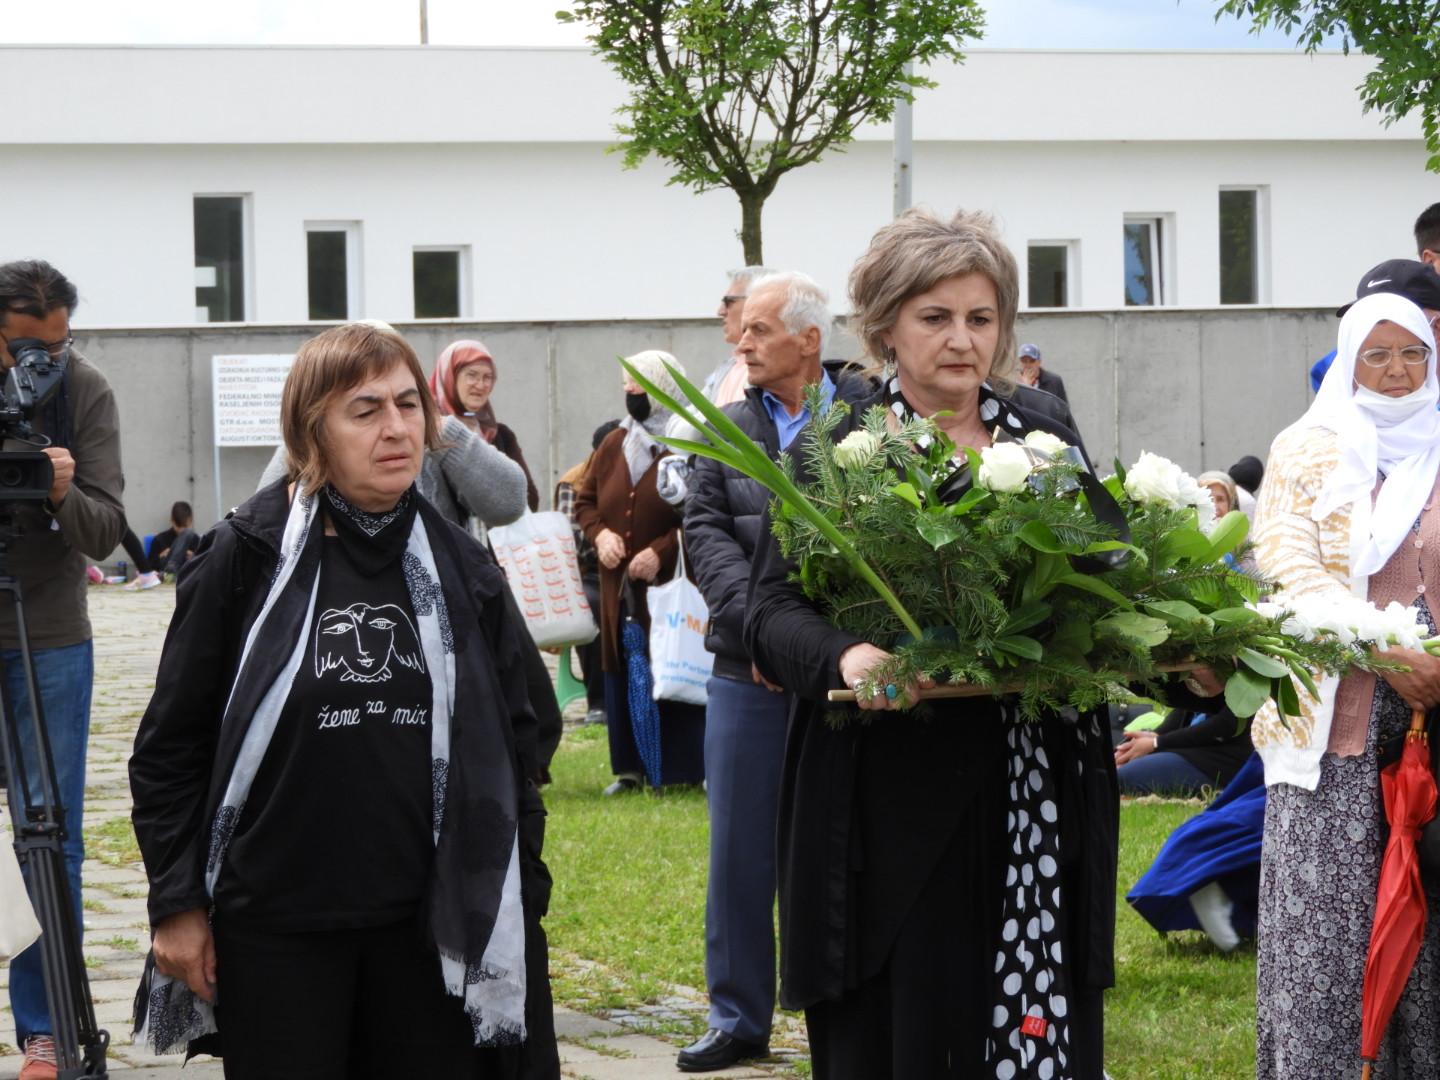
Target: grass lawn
<point>630,896</point>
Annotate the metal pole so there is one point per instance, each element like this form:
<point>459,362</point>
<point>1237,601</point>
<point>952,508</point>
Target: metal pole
<point>424,22</point>
<point>904,150</point>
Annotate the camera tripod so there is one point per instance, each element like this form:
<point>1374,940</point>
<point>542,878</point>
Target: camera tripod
<point>38,821</point>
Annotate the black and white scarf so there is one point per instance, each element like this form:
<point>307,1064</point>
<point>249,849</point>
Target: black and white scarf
<point>996,413</point>
<point>480,938</point>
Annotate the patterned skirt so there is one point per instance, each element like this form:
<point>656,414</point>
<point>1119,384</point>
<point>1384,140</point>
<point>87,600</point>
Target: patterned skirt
<point>1318,876</point>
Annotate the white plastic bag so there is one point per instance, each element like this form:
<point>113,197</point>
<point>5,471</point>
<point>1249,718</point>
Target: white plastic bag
<point>679,660</point>
<point>18,926</point>
<point>537,554</point>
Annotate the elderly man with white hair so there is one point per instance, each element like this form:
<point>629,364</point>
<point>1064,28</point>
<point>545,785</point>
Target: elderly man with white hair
<point>784,329</point>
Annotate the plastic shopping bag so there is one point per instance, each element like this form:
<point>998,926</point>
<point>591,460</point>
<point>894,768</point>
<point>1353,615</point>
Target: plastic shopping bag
<point>537,554</point>
<point>18,926</point>
<point>678,657</point>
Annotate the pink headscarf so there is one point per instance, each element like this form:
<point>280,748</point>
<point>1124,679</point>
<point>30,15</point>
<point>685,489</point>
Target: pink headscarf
<point>458,355</point>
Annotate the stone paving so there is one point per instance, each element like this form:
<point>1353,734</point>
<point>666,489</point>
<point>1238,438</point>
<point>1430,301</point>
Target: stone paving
<point>129,631</point>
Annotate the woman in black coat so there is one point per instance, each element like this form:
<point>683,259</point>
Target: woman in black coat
<point>332,783</point>
<point>947,877</point>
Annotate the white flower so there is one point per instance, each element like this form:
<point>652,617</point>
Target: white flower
<point>857,449</point>
<point>1004,467</point>
<point>1045,443</point>
<point>1349,619</point>
<point>1196,494</point>
<point>1155,479</point>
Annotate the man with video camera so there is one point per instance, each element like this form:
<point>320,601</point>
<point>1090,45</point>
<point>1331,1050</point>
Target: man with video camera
<point>81,515</point>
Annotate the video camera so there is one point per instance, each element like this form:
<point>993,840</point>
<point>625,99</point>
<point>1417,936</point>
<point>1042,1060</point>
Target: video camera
<point>26,475</point>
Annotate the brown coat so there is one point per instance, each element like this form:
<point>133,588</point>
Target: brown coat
<point>606,500</point>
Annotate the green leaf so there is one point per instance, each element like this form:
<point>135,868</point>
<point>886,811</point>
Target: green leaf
<point>937,530</point>
<point>1175,611</point>
<point>908,493</point>
<point>1286,699</point>
<point>1072,638</point>
<point>1147,721</point>
<point>1041,537</point>
<point>1145,629</point>
<point>1306,679</point>
<point>1091,584</point>
<point>1235,615</point>
<point>966,502</point>
<point>1245,692</point>
<point>1227,536</point>
<point>1048,572</point>
<point>1184,542</point>
<point>1018,645</point>
<point>1025,616</point>
<point>1261,664</point>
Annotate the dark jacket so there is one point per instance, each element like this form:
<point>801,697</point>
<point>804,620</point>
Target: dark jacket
<point>723,518</point>
<point>182,757</point>
<point>506,442</point>
<point>869,810</point>
<point>50,562</point>
<point>1053,384</point>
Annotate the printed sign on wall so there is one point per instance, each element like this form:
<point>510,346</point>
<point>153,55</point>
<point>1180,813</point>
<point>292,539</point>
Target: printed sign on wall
<point>247,393</point>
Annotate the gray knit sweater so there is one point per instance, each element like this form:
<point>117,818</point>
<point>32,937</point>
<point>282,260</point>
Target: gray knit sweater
<point>466,476</point>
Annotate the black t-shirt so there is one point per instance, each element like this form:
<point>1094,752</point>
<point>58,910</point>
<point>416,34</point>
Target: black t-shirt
<point>336,832</point>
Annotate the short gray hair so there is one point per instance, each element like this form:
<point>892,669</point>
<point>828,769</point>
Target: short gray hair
<point>806,303</point>
<point>743,278</point>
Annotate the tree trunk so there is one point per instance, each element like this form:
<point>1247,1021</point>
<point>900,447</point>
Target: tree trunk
<point>752,204</point>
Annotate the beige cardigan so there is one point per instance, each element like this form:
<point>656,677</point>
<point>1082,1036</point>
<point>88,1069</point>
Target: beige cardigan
<point>1304,557</point>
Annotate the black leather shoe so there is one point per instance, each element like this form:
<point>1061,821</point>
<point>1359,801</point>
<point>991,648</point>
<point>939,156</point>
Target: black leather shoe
<point>718,1049</point>
<point>623,782</point>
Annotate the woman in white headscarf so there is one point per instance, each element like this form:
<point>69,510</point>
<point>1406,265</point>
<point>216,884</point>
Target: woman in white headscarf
<point>636,535</point>
<point>1348,508</point>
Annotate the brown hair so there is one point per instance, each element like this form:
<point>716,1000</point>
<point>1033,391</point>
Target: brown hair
<point>327,366</point>
<point>916,252</point>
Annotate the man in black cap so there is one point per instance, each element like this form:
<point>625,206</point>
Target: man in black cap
<point>1416,281</point>
<point>1033,373</point>
<point>1427,236</point>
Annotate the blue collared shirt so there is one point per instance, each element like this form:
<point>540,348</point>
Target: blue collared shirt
<point>786,425</point>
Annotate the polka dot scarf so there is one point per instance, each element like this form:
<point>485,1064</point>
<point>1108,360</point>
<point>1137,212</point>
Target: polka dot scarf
<point>1030,1030</point>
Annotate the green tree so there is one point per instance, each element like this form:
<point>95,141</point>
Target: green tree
<point>1402,35</point>
<point>736,93</point>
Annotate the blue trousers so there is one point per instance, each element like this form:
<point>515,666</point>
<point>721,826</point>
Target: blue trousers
<point>1162,773</point>
<point>744,751</point>
<point>64,676</point>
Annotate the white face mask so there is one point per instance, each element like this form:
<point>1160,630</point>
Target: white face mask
<point>1386,410</point>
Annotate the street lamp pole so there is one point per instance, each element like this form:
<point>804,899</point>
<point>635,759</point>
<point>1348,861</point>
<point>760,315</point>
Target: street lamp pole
<point>904,150</point>
<point>424,22</point>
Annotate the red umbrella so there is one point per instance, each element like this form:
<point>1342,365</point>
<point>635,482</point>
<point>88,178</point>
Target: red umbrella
<point>1409,789</point>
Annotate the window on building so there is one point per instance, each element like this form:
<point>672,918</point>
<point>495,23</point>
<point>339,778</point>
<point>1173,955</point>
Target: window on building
<point>332,251</point>
<point>439,276</point>
<point>1051,273</point>
<point>1240,242</point>
<point>219,258</point>
<point>1144,260</point>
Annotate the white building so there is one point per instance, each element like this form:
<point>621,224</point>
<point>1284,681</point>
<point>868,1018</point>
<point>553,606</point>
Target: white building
<point>277,185</point>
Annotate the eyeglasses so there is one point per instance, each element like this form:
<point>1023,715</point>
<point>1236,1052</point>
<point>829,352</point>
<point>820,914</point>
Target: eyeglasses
<point>1413,355</point>
<point>727,300</point>
<point>56,349</point>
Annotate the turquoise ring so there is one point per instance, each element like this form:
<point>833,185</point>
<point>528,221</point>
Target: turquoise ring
<point>892,691</point>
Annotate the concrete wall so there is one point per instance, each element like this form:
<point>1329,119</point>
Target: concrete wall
<point>1200,386</point>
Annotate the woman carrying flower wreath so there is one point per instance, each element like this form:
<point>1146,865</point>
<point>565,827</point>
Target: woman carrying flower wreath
<point>947,879</point>
<point>1348,509</point>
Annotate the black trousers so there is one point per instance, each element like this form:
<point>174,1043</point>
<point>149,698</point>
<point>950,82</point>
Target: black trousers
<point>337,1004</point>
